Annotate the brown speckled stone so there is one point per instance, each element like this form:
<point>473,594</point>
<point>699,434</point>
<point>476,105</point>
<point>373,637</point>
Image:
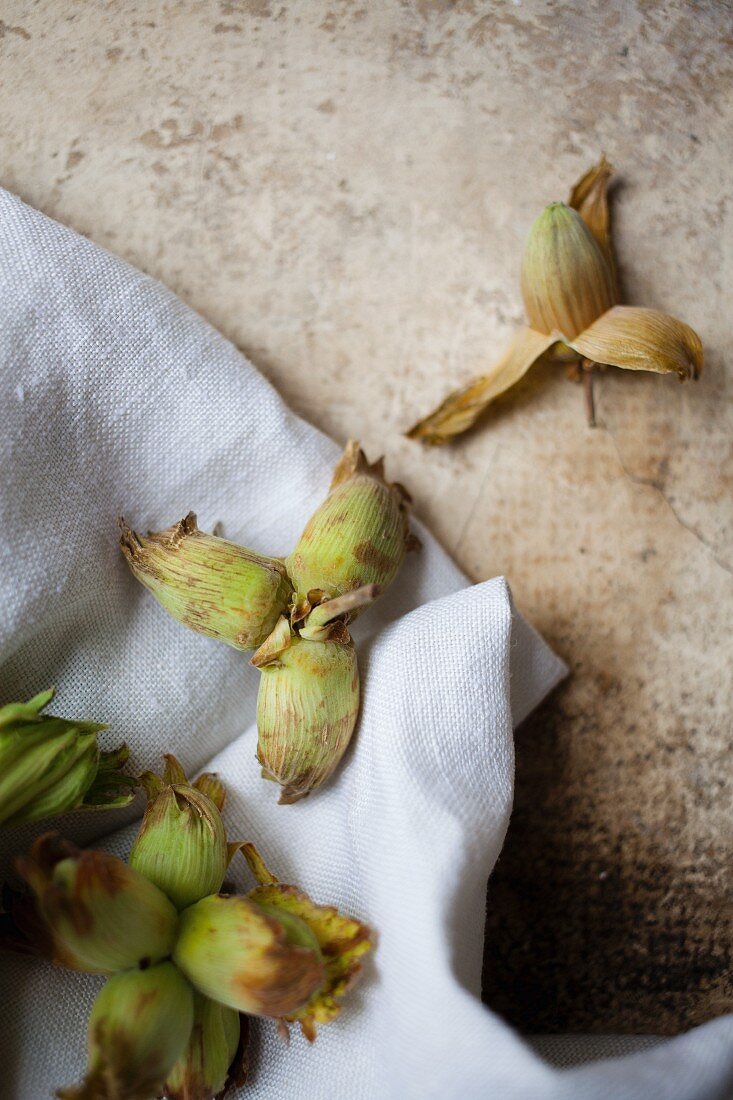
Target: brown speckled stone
<point>343,189</point>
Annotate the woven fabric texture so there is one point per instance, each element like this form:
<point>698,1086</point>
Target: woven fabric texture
<point>118,399</point>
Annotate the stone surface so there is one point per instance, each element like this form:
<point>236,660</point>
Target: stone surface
<point>343,189</point>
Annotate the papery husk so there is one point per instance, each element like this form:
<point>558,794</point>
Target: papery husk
<point>357,537</point>
<point>642,339</point>
<point>589,197</point>
<point>50,765</point>
<point>236,954</point>
<point>307,707</point>
<point>139,1027</point>
<point>462,408</point>
<point>570,290</point>
<point>343,942</point>
<point>106,915</point>
<point>209,584</point>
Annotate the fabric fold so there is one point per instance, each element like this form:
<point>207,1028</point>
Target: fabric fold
<point>119,399</point>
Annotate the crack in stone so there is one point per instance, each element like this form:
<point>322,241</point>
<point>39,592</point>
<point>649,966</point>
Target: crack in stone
<point>652,483</point>
<point>470,514</point>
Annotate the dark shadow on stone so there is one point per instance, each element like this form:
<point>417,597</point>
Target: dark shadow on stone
<point>589,931</point>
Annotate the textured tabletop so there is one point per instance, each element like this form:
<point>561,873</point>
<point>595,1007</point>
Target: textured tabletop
<point>344,189</point>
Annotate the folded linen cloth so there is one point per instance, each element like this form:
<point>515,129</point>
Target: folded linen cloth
<point>118,398</point>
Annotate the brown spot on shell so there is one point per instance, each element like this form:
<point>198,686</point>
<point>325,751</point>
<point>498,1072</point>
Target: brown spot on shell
<point>369,554</point>
<point>336,520</point>
<point>145,998</point>
<point>289,974</point>
<point>106,872</point>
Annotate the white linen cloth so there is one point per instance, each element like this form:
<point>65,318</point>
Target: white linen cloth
<point>116,398</point>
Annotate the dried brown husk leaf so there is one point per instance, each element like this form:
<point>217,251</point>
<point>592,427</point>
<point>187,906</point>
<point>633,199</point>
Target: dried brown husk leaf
<point>590,198</point>
<point>570,290</point>
<point>461,409</point>
<point>635,338</point>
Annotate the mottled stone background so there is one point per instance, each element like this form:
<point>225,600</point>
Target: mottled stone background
<point>343,189</point>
